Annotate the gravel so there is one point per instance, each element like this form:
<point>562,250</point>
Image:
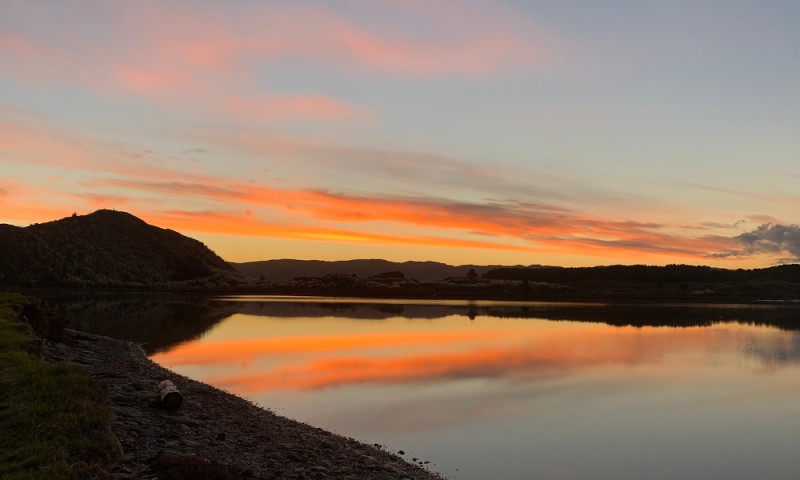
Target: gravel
<point>213,429</point>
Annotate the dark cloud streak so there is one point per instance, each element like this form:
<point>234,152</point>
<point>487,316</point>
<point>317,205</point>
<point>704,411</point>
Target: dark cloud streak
<point>770,239</point>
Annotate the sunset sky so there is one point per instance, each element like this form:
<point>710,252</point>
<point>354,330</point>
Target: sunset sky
<point>517,132</point>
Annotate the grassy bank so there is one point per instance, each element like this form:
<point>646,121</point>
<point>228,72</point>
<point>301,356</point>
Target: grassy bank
<point>53,421</point>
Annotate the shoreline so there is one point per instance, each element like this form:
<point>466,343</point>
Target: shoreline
<point>213,425</point>
<point>401,296</point>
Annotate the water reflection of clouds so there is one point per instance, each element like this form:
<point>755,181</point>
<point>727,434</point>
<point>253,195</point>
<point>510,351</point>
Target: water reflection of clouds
<point>523,395</point>
<point>774,351</point>
<point>243,350</point>
<point>313,362</point>
<point>397,411</point>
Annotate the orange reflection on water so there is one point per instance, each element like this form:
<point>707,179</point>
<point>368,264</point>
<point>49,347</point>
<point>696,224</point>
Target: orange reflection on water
<point>481,363</point>
<point>306,362</point>
<point>244,351</point>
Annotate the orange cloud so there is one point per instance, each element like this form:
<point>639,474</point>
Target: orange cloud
<point>23,205</point>
<point>104,201</point>
<point>538,225</point>
<point>247,224</point>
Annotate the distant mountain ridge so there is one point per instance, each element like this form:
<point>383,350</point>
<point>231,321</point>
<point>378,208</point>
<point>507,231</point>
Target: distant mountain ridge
<point>285,269</point>
<point>106,248</point>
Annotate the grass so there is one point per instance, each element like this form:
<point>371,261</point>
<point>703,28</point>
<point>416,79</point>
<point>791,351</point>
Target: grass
<point>54,423</point>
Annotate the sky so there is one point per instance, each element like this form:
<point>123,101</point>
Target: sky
<point>570,132</point>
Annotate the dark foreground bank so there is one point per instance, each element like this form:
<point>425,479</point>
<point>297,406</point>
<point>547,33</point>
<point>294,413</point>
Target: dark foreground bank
<point>214,434</point>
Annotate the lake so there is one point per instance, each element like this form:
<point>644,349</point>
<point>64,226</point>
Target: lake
<point>499,390</point>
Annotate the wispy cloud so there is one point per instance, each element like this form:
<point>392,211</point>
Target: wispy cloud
<point>248,224</point>
<point>540,226</point>
<point>29,141</point>
<point>276,108</point>
<point>169,54</point>
<point>193,200</point>
<point>408,171</point>
<point>749,195</point>
<point>176,52</point>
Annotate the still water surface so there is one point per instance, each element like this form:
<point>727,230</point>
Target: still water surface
<point>501,390</point>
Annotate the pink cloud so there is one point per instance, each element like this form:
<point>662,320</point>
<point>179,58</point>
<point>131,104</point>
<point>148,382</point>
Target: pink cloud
<point>25,59</point>
<point>472,55</point>
<point>151,81</point>
<point>172,54</point>
<point>44,145</point>
<point>283,108</point>
<point>153,47</point>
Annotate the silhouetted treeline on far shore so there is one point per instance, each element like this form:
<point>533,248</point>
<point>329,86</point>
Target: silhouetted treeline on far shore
<point>646,273</point>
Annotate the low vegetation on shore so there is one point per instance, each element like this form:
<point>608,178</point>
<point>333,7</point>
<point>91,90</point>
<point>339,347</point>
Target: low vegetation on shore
<point>53,418</point>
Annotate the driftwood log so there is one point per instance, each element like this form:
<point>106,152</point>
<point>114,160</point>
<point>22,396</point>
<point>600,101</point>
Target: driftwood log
<point>169,396</point>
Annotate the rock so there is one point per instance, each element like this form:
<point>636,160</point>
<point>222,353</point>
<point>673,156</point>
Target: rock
<point>168,394</point>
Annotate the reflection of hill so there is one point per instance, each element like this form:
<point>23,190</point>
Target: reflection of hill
<point>365,311</point>
<point>785,317</point>
<point>157,322</point>
<point>160,322</point>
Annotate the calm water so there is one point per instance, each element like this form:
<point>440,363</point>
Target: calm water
<point>505,391</point>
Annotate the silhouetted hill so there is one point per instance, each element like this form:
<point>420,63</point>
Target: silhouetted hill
<point>285,270</point>
<point>106,248</point>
